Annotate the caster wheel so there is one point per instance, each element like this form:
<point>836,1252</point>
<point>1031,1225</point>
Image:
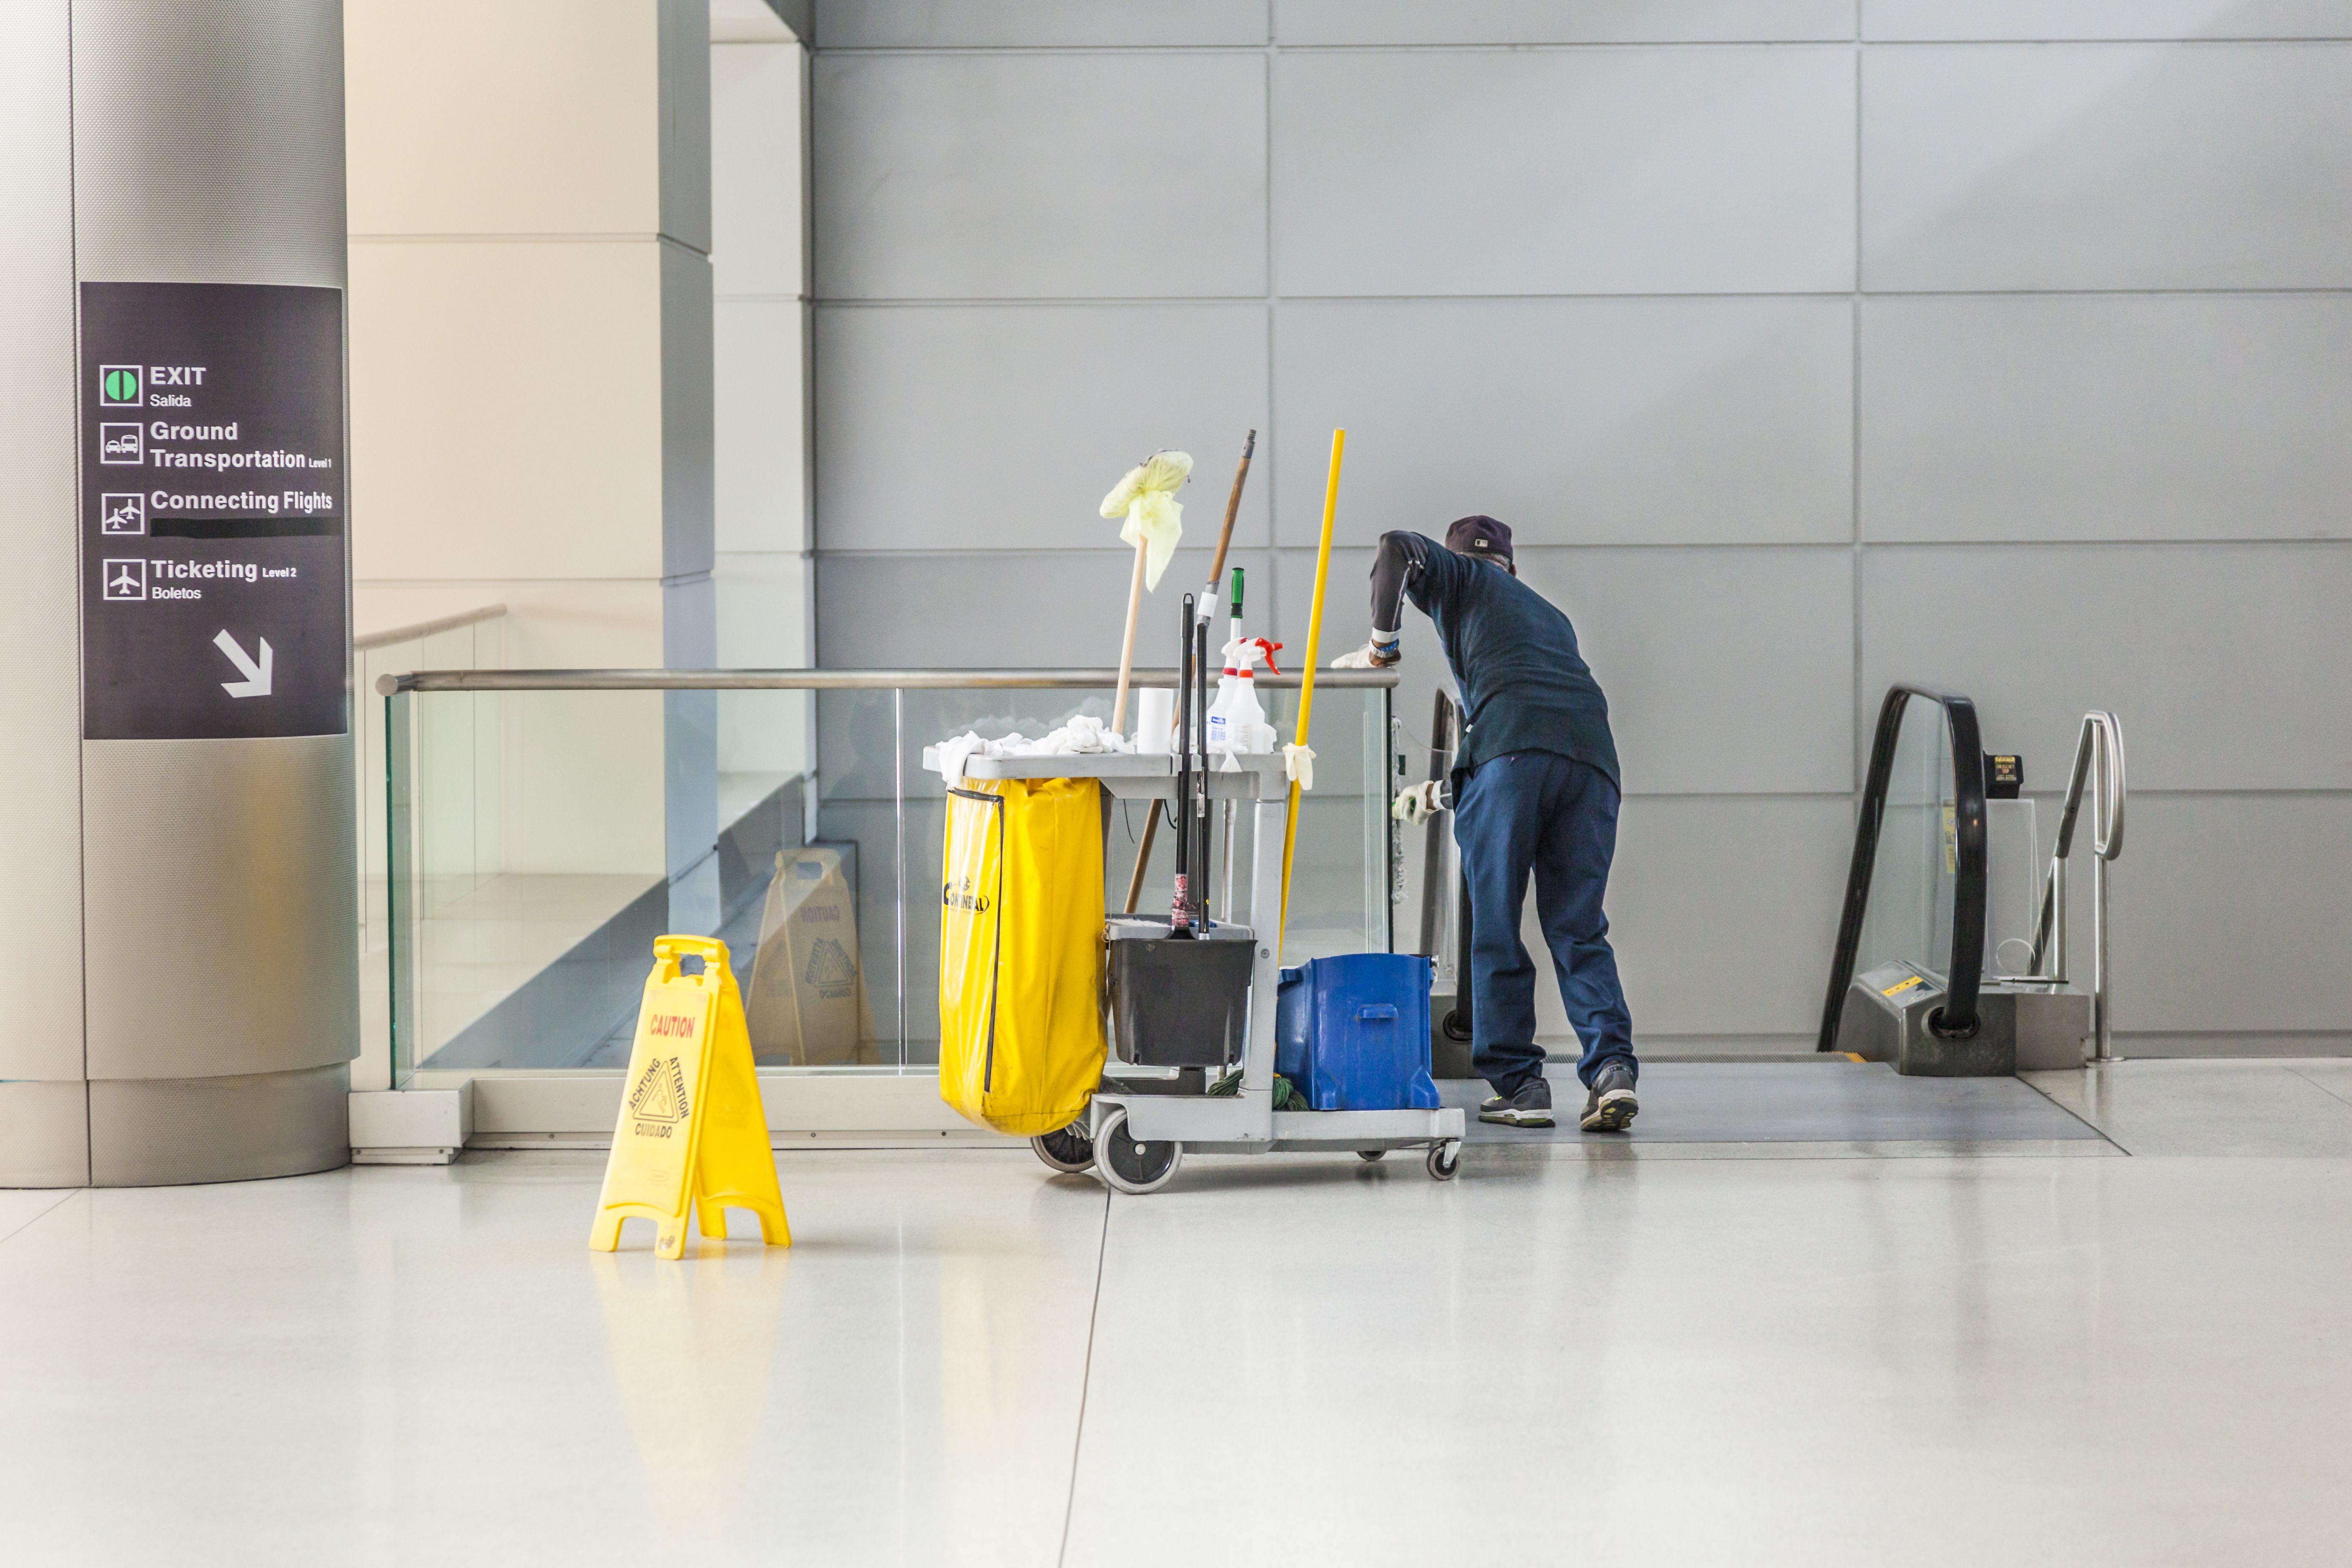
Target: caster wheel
<point>1133,1166</point>
<point>1066,1149</point>
<point>1444,1162</point>
<point>1370,1156</point>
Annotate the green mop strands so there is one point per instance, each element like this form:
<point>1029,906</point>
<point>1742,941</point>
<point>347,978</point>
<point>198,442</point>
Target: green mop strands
<point>1285,1093</point>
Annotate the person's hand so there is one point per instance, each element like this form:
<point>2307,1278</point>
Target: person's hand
<point>1418,805</point>
<point>1371,656</point>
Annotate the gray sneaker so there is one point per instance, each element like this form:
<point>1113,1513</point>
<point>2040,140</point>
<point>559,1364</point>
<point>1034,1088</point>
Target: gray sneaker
<point>1531,1107</point>
<point>1610,1105</point>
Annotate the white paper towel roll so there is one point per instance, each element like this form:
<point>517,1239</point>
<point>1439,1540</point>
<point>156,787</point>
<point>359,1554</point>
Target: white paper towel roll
<point>1155,718</point>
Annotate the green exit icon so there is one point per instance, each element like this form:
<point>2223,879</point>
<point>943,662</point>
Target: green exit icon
<point>119,386</point>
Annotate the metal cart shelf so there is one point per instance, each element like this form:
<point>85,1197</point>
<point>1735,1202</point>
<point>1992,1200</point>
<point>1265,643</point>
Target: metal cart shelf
<point>1134,1133</point>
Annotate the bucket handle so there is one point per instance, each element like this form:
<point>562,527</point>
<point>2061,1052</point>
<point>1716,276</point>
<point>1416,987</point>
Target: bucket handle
<point>1373,1011</point>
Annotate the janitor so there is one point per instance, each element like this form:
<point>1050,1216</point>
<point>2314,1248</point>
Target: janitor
<point>1535,792</point>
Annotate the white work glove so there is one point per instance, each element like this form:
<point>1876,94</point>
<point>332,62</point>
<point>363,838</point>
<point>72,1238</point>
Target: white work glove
<point>1374,655</point>
<point>1418,805</point>
<point>1298,763</point>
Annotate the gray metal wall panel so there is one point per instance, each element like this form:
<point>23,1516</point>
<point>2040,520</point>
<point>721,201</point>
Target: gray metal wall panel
<point>949,428</point>
<point>208,143</point>
<point>154,1133</point>
<point>1037,24</point>
<point>2064,19</point>
<point>1451,183</point>
<point>2224,660</point>
<point>1550,22</point>
<point>1668,171</point>
<point>44,1133</point>
<point>2108,166</point>
<point>1727,672</point>
<point>1577,421</point>
<point>40,636</point>
<point>2230,915</point>
<point>2075,416</point>
<point>1723,912</point>
<point>1679,640</point>
<point>688,414</point>
<point>999,609</point>
<point>1036,177</point>
<point>683,102</point>
<point>223,906</point>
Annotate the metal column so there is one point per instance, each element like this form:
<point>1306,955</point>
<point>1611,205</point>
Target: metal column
<point>182,984</point>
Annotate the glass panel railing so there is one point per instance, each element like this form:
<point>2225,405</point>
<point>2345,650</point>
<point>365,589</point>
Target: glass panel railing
<point>472,639</point>
<point>539,841</point>
<point>1916,889</point>
<point>542,835</point>
<point>1916,868</point>
<point>2012,887</point>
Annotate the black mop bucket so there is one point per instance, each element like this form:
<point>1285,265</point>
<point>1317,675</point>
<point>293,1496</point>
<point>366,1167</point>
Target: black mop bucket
<point>1180,1003</point>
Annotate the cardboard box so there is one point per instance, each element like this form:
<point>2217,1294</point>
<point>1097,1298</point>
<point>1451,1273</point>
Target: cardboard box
<point>806,1004</point>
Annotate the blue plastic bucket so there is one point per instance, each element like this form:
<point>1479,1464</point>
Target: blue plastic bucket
<point>1351,1033</point>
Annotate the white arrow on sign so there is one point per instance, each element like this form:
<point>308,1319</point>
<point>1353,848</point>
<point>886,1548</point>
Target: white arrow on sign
<point>256,676</point>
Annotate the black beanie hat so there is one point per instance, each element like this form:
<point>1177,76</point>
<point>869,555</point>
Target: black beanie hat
<point>1481,537</point>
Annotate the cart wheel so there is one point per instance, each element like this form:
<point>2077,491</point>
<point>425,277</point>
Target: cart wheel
<point>1133,1166</point>
<point>1066,1149</point>
<point>1444,1162</point>
<point>1370,1156</point>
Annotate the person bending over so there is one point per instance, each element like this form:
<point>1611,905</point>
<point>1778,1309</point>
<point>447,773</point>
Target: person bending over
<point>1535,793</point>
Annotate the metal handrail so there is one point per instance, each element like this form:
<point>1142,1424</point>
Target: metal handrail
<point>393,636</point>
<point>826,679</point>
<point>2099,763</point>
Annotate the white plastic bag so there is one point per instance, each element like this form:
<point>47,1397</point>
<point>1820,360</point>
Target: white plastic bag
<point>1147,498</point>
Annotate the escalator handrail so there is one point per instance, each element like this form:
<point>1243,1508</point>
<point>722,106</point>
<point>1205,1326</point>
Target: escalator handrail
<point>1965,973</point>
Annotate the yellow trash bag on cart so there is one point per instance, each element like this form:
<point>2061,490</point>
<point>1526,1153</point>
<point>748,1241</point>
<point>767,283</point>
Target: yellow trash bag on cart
<point>1021,933</point>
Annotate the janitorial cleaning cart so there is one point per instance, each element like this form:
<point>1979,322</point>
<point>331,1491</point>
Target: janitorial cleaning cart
<point>1218,1048</point>
<point>1138,1124</point>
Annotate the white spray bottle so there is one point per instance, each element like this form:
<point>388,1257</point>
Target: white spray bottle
<point>1236,720</point>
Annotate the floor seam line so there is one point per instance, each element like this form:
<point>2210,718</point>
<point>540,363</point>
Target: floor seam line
<point>2105,1136</point>
<point>63,1199</point>
<point>2317,1085</point>
<point>1085,1387</point>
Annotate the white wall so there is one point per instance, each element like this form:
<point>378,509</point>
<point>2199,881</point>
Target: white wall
<point>530,369</point>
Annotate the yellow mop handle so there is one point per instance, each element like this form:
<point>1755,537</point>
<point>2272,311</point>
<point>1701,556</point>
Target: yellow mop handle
<point>1306,682</point>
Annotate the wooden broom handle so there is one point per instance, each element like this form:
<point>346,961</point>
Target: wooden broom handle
<point>1233,510</point>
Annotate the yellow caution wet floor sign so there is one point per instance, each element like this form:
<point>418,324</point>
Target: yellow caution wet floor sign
<point>691,1131</point>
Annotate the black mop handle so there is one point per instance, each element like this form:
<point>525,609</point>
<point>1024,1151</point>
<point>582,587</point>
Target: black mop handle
<point>1181,911</point>
<point>1200,803</point>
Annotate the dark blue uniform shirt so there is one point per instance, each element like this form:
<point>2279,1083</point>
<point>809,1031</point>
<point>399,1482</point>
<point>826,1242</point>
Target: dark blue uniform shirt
<point>1525,686</point>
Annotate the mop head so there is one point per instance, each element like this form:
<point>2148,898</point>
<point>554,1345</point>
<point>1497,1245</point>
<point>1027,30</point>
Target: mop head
<point>1155,519</point>
<point>1286,1094</point>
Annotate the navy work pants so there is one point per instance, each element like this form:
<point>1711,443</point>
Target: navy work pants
<point>1540,814</point>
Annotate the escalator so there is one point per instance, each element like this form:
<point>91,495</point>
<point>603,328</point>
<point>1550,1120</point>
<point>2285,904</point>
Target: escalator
<point>1945,846</point>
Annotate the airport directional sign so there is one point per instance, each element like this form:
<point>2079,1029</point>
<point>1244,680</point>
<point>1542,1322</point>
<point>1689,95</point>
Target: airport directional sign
<point>214,537</point>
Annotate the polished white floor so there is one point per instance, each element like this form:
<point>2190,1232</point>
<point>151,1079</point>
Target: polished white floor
<point>1831,1360</point>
